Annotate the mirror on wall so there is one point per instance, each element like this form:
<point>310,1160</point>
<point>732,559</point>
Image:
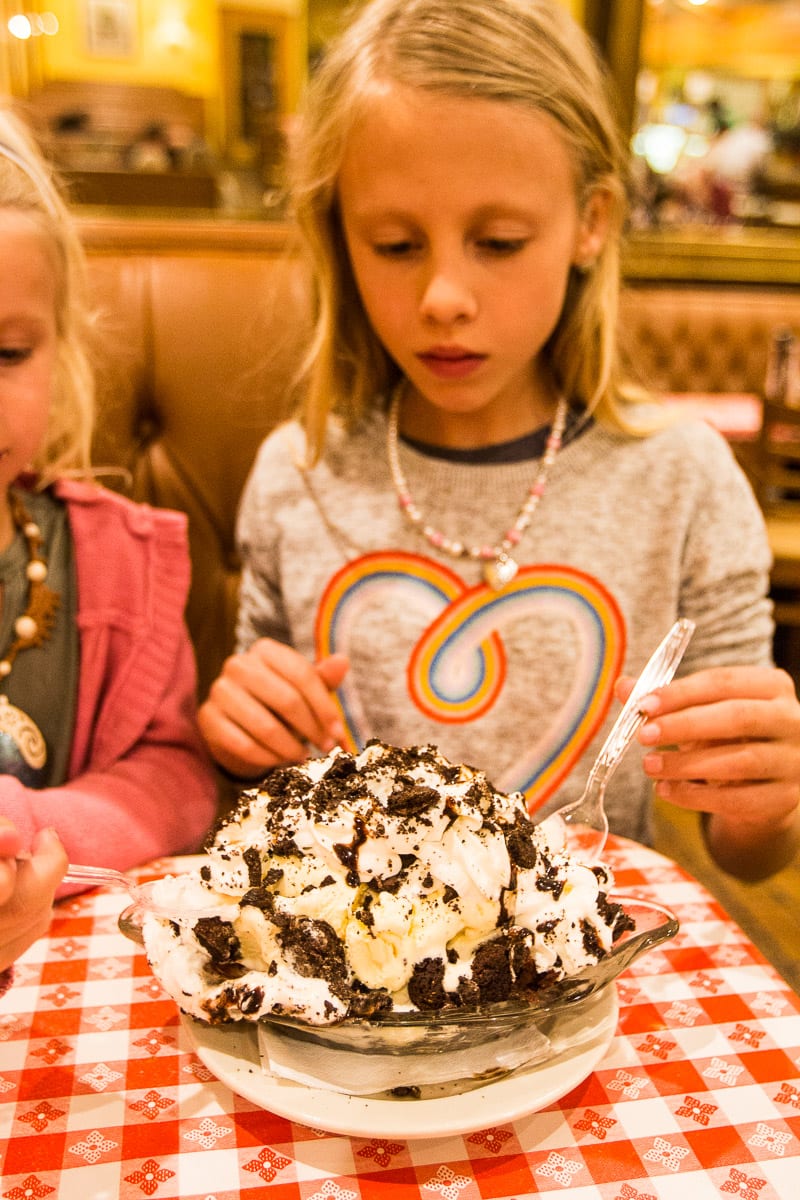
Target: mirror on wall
<point>716,137</point>
<point>712,97</point>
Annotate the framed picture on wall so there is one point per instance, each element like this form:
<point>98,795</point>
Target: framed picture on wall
<point>111,28</point>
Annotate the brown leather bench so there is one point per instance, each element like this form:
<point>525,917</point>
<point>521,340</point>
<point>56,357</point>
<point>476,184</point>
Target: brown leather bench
<point>201,330</point>
<point>712,338</point>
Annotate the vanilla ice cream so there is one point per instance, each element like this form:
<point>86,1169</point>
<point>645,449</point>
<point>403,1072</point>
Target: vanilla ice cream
<point>354,884</point>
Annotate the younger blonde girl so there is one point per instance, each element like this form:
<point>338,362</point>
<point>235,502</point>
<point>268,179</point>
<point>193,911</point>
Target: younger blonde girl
<point>98,735</point>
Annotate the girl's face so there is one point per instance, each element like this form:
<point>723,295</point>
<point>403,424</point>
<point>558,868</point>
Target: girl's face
<point>28,342</point>
<point>462,223</point>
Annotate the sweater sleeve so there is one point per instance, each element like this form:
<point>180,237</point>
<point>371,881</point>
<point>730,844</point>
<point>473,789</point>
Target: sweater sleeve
<point>140,784</point>
<point>159,798</point>
<point>268,498</point>
<point>726,561</point>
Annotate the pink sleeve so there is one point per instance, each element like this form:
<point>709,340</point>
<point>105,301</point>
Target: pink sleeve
<point>158,799</point>
<point>141,785</point>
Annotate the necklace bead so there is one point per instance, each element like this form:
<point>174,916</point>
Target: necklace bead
<point>499,567</point>
<point>26,628</point>
<point>35,625</point>
<point>36,571</point>
<point>33,628</point>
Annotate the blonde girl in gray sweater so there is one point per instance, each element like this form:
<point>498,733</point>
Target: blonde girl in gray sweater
<point>475,534</point>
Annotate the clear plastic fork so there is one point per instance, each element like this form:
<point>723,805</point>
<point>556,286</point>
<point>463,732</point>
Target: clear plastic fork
<point>583,824</point>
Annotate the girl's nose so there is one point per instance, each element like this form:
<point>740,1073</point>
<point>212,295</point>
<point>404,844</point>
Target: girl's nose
<point>447,298</point>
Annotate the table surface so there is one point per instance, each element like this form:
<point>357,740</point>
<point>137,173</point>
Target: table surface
<point>697,1097</point>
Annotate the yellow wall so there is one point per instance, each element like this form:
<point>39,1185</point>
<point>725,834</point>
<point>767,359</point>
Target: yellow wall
<point>190,63</point>
<point>758,40</point>
<point>324,20</point>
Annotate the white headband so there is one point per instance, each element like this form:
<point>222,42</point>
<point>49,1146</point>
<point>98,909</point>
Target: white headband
<point>39,181</point>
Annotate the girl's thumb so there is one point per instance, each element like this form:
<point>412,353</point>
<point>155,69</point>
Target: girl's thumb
<point>333,669</point>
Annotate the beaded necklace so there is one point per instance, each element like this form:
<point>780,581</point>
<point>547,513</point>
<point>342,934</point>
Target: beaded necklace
<point>33,628</point>
<point>499,568</point>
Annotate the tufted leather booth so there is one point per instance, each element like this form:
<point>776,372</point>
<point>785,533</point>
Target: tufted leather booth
<point>200,330</point>
<point>201,327</point>
<point>713,338</point>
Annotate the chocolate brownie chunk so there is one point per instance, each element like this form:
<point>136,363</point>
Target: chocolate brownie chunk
<point>491,971</point>
<point>218,938</point>
<point>426,985</point>
<point>314,949</point>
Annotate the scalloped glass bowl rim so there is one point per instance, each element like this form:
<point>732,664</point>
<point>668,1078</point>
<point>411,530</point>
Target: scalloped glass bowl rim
<point>654,924</point>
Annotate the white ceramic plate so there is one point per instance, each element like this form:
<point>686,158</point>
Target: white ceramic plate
<point>232,1054</point>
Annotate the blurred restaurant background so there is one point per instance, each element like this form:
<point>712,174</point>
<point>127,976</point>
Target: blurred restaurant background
<point>187,104</point>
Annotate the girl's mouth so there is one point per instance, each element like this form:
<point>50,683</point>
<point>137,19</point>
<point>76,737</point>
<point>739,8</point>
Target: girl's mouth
<point>451,363</point>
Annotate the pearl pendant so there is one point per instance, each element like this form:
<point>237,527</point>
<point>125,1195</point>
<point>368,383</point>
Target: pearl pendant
<point>20,739</point>
<point>499,572</point>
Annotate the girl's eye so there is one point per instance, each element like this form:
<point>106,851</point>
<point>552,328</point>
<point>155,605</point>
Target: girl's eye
<point>11,355</point>
<point>502,247</point>
<point>398,249</point>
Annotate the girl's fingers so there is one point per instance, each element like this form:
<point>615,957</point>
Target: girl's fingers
<point>333,669</point>
<point>717,684</point>
<point>49,858</point>
<point>26,910</point>
<point>745,803</point>
<point>725,741</point>
<point>280,705</point>
<point>8,878</point>
<point>721,704</point>
<point>291,686</point>
<point>10,841</point>
<point>269,705</point>
<point>724,720</point>
<point>725,763</point>
<point>235,723</point>
<point>10,845</point>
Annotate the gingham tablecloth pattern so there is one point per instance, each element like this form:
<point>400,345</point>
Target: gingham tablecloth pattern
<point>697,1097</point>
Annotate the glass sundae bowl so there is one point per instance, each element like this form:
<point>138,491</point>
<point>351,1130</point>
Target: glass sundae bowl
<point>412,1032</point>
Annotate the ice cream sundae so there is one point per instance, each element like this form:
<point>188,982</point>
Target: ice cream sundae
<point>390,879</point>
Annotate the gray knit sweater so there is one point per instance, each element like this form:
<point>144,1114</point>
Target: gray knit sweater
<point>630,534</point>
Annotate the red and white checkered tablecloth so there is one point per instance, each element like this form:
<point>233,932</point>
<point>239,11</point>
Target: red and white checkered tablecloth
<point>697,1097</point>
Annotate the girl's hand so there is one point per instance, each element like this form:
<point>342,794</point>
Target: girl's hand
<point>269,705</point>
<point>26,889</point>
<point>726,741</point>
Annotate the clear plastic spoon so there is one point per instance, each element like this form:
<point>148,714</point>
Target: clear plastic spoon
<point>583,823</point>
<point>139,893</point>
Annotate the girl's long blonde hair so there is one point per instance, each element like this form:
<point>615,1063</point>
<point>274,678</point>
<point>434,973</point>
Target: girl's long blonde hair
<point>529,53</point>
<point>27,185</point>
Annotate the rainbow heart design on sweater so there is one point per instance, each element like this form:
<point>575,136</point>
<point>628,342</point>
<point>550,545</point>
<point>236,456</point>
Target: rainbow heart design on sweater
<point>457,668</point>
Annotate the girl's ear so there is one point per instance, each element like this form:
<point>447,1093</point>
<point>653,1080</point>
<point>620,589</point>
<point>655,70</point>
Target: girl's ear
<point>595,221</point>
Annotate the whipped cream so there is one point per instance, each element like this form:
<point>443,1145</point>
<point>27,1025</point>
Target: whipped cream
<point>353,884</point>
